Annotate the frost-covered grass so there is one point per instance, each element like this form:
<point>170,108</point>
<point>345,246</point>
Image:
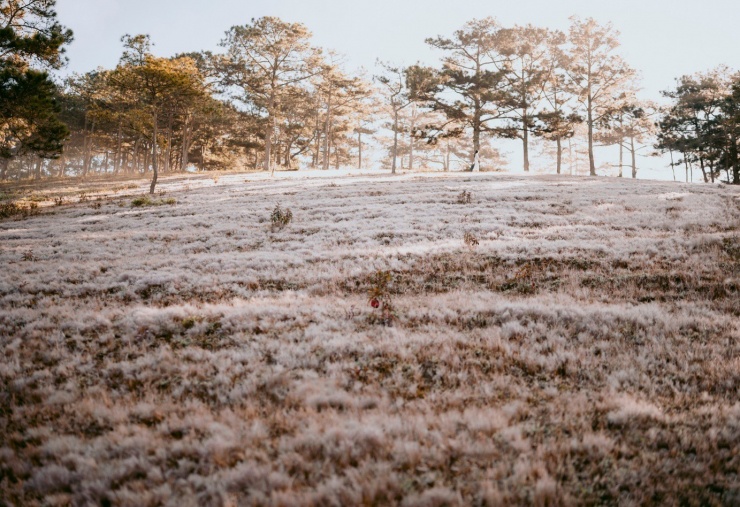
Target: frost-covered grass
<point>585,348</point>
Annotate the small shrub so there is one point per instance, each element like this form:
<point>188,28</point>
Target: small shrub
<point>145,200</point>
<point>9,209</point>
<point>190,322</point>
<point>380,297</point>
<point>279,217</point>
<point>28,256</point>
<point>350,314</point>
<point>12,209</point>
<point>465,197</point>
<point>470,240</point>
<point>83,197</point>
<point>58,201</point>
<point>142,201</point>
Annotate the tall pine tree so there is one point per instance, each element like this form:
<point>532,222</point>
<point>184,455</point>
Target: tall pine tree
<point>31,42</point>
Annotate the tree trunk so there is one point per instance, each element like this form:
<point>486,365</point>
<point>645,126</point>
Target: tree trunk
<point>62,163</point>
<point>411,153</point>
<point>686,164</point>
<point>621,156</point>
<point>359,156</point>
<point>327,125</point>
<point>268,134</point>
<point>525,141</point>
<point>4,162</point>
<point>277,143</point>
<point>124,161</point>
<point>154,156</point>
<point>560,153</point>
<point>119,141</point>
<point>336,156</point>
<point>703,170</point>
<point>87,161</point>
<point>147,153</point>
<point>136,156</point>
<point>590,121</point>
<point>634,157</point>
<point>411,144</point>
<point>168,151</point>
<point>570,156</point>
<point>395,142</point>
<point>37,169</point>
<point>476,127</point>
<point>317,142</point>
<point>288,159</point>
<point>733,158</point>
<point>186,142</point>
<point>84,148</point>
<point>477,110</point>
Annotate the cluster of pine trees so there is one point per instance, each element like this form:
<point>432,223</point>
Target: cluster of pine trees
<point>702,124</point>
<point>31,44</point>
<point>272,99</point>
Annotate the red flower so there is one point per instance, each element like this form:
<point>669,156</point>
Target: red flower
<point>375,303</point>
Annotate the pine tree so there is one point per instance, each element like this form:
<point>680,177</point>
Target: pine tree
<point>397,97</point>
<point>557,118</point>
<point>595,70</point>
<point>264,60</point>
<point>471,88</point>
<point>526,68</point>
<point>156,86</point>
<point>31,41</point>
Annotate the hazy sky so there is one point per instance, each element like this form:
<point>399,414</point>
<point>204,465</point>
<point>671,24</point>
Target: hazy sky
<point>662,39</point>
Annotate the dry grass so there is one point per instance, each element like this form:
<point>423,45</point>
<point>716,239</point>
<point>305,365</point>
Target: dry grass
<point>190,355</point>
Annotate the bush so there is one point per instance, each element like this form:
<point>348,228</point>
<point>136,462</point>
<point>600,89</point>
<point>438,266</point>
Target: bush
<point>146,200</point>
<point>12,209</point>
<point>142,201</point>
<point>465,197</point>
<point>470,239</point>
<point>279,217</point>
<point>380,298</point>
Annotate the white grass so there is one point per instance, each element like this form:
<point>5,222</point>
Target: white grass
<point>585,351</point>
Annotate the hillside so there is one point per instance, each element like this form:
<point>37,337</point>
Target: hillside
<point>539,340</point>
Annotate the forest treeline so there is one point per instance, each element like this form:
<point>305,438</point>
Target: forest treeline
<point>272,99</point>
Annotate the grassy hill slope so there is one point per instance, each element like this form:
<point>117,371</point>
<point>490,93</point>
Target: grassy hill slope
<point>419,340</point>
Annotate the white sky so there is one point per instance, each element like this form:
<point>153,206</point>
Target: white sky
<point>662,39</point>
